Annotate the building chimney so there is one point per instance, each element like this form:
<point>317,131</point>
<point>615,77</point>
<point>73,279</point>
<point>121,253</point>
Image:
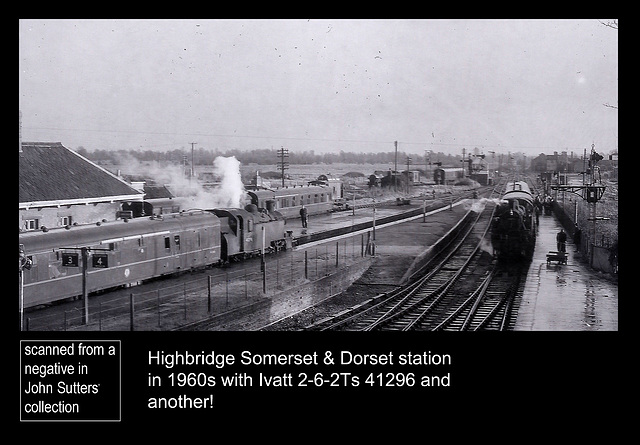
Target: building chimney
<point>138,185</point>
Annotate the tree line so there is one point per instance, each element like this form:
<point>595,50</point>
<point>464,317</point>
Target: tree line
<point>202,156</point>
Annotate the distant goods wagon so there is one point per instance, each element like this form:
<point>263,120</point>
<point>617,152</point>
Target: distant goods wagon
<point>447,175</point>
<point>151,207</point>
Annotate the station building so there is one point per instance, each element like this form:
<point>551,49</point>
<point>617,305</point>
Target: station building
<point>58,188</point>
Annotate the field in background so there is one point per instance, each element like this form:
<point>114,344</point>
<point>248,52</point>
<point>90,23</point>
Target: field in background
<point>607,229</point>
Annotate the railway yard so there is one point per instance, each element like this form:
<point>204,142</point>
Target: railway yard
<point>427,265</point>
<point>314,222</point>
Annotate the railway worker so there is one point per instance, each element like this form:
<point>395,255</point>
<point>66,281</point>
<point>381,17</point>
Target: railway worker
<point>577,236</point>
<point>561,239</point>
<point>537,207</point>
<point>613,257</point>
<point>304,217</point>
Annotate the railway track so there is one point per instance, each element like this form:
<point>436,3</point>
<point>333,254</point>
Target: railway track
<point>459,290</point>
<point>410,306</point>
<point>488,307</point>
<point>180,308</point>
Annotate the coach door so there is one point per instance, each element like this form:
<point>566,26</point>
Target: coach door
<point>241,233</point>
<point>177,250</point>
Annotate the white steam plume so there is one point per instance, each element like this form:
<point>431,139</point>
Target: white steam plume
<point>477,205</point>
<point>188,192</point>
<point>231,191</point>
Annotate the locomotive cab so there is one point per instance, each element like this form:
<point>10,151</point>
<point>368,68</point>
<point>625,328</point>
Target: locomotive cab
<point>232,230</point>
<point>242,232</point>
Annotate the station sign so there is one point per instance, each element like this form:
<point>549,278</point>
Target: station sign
<point>100,260</point>
<point>69,259</point>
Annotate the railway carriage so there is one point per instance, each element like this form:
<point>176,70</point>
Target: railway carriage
<point>445,175</point>
<point>513,229</point>
<point>119,252</point>
<point>287,201</point>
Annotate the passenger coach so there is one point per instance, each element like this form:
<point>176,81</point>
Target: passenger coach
<point>287,201</point>
<point>119,252</point>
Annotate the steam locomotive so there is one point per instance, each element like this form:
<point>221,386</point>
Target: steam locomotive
<point>115,253</point>
<point>513,228</point>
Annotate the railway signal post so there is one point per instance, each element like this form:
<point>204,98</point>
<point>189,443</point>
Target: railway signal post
<point>263,266</point>
<point>24,263</point>
<point>591,191</point>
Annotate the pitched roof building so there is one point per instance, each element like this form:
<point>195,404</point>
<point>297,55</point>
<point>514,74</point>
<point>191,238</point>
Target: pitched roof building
<point>59,187</point>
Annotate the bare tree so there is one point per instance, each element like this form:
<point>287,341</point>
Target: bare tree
<point>610,23</point>
<point>614,25</point>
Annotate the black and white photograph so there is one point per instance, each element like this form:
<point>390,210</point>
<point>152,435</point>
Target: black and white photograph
<point>405,177</point>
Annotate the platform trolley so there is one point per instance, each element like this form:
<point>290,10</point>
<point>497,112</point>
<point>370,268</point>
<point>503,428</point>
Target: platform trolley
<point>560,257</point>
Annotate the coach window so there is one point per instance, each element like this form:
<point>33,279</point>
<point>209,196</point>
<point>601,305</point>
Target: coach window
<point>32,224</point>
<point>167,242</point>
<point>176,238</point>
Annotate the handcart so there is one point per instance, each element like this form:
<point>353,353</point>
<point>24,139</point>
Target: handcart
<point>560,257</point>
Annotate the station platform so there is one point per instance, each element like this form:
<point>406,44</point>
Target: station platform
<point>565,297</point>
<point>330,222</point>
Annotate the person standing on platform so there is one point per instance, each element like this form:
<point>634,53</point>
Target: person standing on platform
<point>304,216</point>
<point>577,236</point>
<point>561,239</point>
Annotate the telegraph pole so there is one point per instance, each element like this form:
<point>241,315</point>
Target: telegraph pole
<point>282,164</point>
<point>408,164</point>
<point>395,168</point>
<point>192,144</point>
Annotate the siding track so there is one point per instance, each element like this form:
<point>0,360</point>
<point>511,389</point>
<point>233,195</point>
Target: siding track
<point>462,288</point>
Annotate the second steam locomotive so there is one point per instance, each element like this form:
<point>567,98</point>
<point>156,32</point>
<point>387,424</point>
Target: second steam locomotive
<point>513,229</point>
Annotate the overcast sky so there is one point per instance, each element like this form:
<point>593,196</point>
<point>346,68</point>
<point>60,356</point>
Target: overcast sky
<point>534,86</point>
